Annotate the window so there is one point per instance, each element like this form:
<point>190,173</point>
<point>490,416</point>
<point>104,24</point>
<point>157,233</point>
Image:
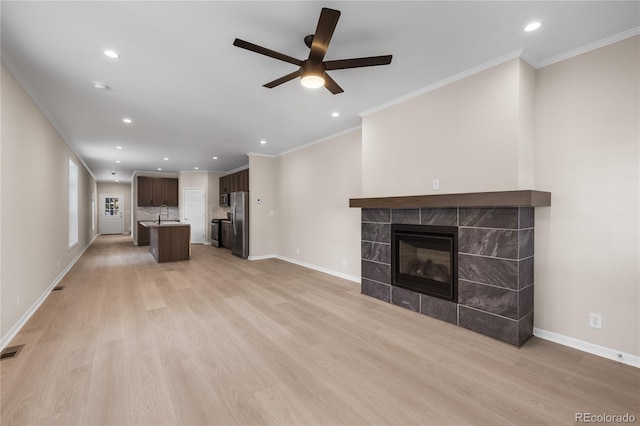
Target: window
<point>73,204</point>
<point>93,211</point>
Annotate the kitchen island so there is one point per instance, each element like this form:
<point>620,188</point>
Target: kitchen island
<point>169,241</point>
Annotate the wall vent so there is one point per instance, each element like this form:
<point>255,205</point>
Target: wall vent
<point>11,352</point>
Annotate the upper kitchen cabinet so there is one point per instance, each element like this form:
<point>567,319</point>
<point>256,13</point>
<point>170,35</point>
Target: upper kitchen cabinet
<point>236,182</point>
<point>224,185</point>
<point>157,192</point>
<point>145,191</point>
<point>243,180</point>
<point>171,192</point>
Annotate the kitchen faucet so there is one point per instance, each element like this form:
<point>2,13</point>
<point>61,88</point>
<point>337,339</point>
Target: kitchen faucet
<point>160,212</point>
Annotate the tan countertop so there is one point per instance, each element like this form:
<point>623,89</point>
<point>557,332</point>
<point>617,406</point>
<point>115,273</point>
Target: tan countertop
<point>167,224</point>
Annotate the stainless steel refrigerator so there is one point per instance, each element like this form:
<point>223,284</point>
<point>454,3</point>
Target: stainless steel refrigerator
<point>239,224</point>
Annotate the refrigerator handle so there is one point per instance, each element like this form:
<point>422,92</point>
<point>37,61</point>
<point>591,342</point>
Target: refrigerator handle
<point>233,219</point>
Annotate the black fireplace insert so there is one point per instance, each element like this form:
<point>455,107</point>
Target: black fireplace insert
<point>424,259</point>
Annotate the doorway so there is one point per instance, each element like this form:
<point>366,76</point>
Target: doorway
<point>111,214</point>
<point>194,213</point>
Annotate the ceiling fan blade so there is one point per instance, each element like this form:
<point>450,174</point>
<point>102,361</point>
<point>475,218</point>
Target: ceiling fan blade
<point>267,52</point>
<point>371,61</point>
<point>324,31</point>
<point>281,80</point>
<point>331,85</point>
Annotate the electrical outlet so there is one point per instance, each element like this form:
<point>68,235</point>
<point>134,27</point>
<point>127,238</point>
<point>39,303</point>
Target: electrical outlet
<point>18,299</point>
<point>595,321</point>
<point>297,251</point>
<point>435,184</point>
<point>344,262</point>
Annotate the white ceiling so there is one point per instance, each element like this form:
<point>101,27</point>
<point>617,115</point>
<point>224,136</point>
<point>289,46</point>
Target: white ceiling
<point>192,95</point>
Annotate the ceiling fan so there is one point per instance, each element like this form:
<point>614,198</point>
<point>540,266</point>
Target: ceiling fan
<point>312,71</point>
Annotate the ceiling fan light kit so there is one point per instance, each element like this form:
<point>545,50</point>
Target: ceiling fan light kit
<point>312,72</point>
<point>312,75</point>
<point>312,81</point>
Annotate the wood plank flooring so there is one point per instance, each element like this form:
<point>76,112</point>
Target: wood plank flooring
<point>219,340</point>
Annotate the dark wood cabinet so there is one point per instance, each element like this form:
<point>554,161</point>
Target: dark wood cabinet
<point>235,182</point>
<point>225,234</point>
<point>171,192</point>
<point>170,243</point>
<point>243,180</point>
<point>224,185</point>
<point>143,235</point>
<point>145,191</point>
<point>157,192</point>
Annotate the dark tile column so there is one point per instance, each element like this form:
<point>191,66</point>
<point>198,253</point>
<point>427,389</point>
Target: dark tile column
<point>495,272</point>
<point>376,253</point>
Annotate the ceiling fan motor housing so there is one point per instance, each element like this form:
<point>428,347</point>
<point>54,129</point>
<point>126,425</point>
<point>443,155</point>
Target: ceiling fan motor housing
<point>312,68</point>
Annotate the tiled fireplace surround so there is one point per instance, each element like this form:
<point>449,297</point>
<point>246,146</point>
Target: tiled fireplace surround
<point>495,266</point>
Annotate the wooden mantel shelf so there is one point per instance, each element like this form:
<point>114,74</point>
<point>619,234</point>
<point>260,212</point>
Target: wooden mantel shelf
<point>525,198</point>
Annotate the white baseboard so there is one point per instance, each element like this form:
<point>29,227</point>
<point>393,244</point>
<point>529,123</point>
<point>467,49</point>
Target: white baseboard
<point>623,357</point>
<point>8,337</point>
<point>320,269</point>
<point>308,265</point>
<point>263,257</point>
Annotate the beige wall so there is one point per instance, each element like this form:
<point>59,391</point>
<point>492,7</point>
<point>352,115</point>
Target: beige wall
<point>117,188</point>
<point>464,134</point>
<point>263,221</point>
<point>587,156</point>
<point>526,125</point>
<point>35,222</point>
<point>315,224</point>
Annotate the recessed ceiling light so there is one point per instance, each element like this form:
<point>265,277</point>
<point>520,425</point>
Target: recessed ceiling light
<point>263,142</point>
<point>166,158</point>
<point>196,168</point>
<point>127,120</point>
<point>215,158</point>
<point>111,54</point>
<point>335,114</point>
<point>118,161</point>
<point>159,168</point>
<point>100,85</point>
<point>118,147</point>
<point>532,26</point>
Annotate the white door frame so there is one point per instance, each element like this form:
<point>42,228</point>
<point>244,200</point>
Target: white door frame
<point>195,238</point>
<point>101,216</point>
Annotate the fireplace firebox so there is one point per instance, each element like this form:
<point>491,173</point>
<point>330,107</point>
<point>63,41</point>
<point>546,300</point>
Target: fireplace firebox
<point>424,259</point>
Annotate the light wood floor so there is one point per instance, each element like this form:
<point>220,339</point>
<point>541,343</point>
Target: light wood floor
<point>219,340</point>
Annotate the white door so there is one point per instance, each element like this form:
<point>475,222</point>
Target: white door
<point>194,213</point>
<point>111,213</point>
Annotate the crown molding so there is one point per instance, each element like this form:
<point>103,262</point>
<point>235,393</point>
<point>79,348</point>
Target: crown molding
<point>589,47</point>
<point>445,82</point>
<point>256,154</point>
<point>326,138</point>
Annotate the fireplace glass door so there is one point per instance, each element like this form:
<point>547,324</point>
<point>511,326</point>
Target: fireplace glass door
<point>424,259</point>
